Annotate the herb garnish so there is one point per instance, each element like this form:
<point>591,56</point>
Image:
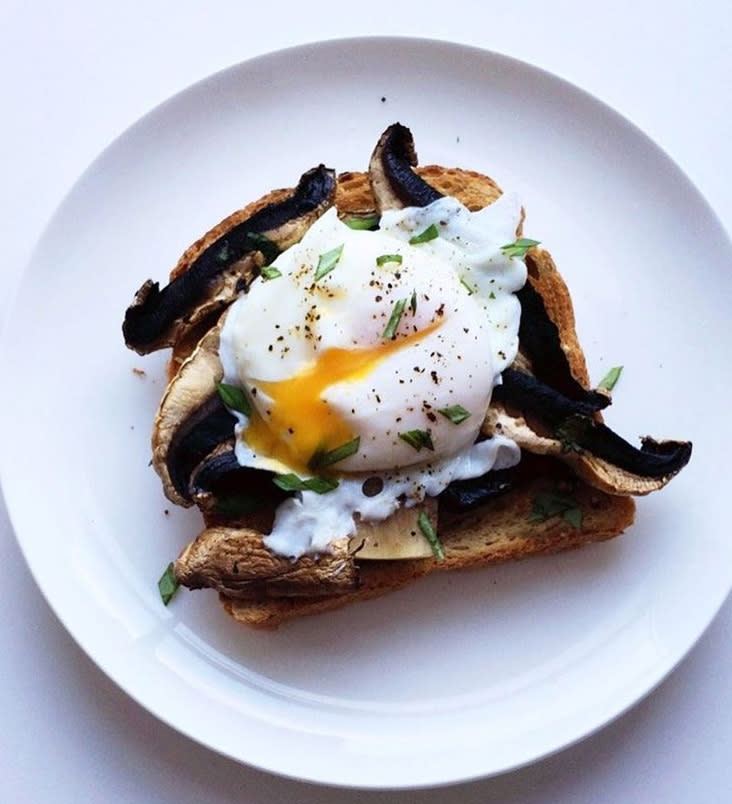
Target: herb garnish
<point>234,398</point>
<point>382,259</point>
<point>328,261</point>
<point>455,413</point>
<point>610,379</point>
<point>519,247</point>
<point>467,287</point>
<point>572,432</point>
<point>430,233</point>
<point>354,222</point>
<point>396,315</point>
<point>548,504</point>
<point>167,585</point>
<point>291,482</point>
<point>255,241</point>
<point>270,272</point>
<point>418,439</point>
<point>261,243</point>
<point>321,458</point>
<point>413,303</point>
<point>430,534</point>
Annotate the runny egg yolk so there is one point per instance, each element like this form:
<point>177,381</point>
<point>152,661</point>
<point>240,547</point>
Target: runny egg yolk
<point>298,422</point>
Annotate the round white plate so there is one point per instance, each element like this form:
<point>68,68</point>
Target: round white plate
<point>458,676</point>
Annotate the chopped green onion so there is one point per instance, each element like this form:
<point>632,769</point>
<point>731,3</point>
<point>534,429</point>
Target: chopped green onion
<point>321,485</point>
<point>261,243</point>
<point>168,585</point>
<point>413,303</point>
<point>519,247</point>
<point>234,398</point>
<point>548,504</point>
<point>328,261</point>
<point>291,482</point>
<point>396,315</point>
<point>255,242</point>
<point>427,528</point>
<point>368,222</point>
<point>609,381</point>
<point>321,458</point>
<point>467,287</point>
<point>455,413</point>
<point>384,258</point>
<point>491,295</point>
<point>430,233</point>
<point>418,439</point>
<point>270,272</point>
<point>573,432</point>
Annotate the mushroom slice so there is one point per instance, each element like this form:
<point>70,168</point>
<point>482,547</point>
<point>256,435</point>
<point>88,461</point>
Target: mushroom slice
<point>464,495</point>
<point>204,479</point>
<point>191,420</point>
<point>393,180</point>
<point>540,340</point>
<point>221,486</point>
<point>223,264</point>
<point>397,537</point>
<point>596,454</point>
<point>528,394</point>
<point>236,562</point>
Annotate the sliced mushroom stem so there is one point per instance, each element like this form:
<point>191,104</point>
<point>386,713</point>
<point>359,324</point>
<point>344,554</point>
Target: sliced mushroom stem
<point>225,267</point>
<point>236,562</point>
<point>398,537</point>
<point>393,180</point>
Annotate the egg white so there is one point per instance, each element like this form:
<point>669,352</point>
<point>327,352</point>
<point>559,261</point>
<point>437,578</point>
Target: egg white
<point>458,331</point>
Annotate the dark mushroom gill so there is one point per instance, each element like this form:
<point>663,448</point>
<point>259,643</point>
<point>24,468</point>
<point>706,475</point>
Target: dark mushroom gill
<point>194,439</point>
<point>463,495</point>
<point>221,482</point>
<point>572,423</point>
<point>540,342</point>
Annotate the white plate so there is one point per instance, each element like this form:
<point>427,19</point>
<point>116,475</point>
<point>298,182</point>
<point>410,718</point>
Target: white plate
<point>459,676</point>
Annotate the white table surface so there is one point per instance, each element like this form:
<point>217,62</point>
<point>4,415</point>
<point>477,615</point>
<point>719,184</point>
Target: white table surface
<point>74,76</point>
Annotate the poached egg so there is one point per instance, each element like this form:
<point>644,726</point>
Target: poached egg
<point>373,354</point>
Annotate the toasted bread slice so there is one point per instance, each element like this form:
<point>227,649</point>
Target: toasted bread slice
<point>502,529</point>
<point>499,531</point>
